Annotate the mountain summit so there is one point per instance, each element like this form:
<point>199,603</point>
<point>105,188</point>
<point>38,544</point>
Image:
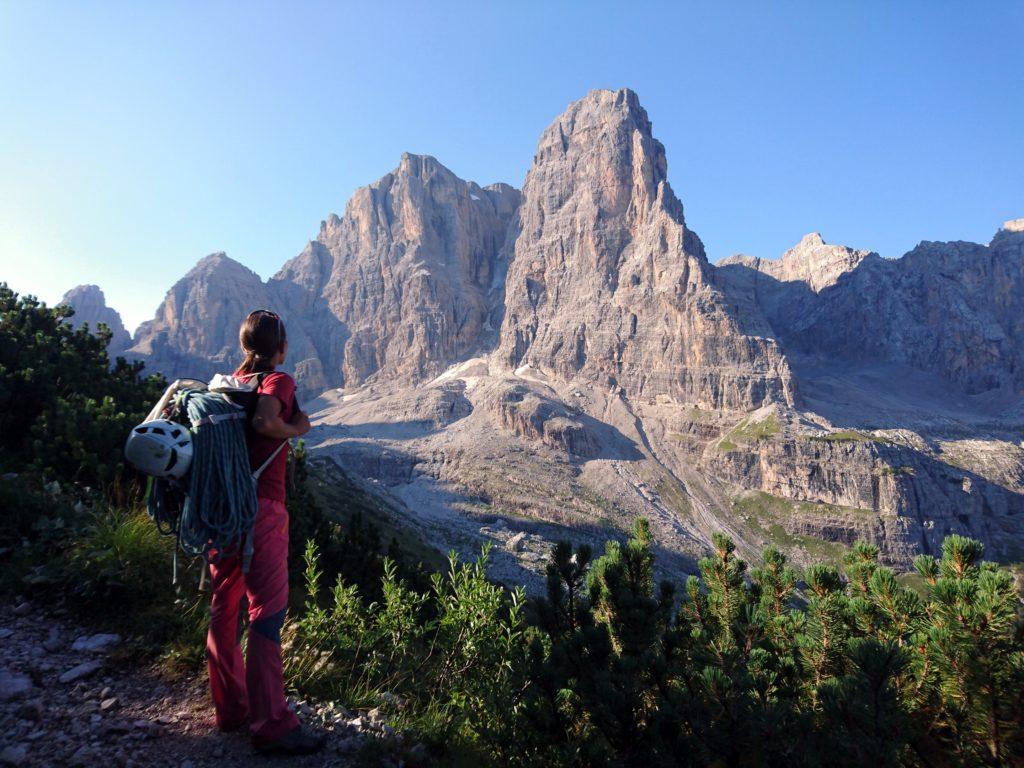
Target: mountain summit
<point>401,285</point>
<point>607,282</point>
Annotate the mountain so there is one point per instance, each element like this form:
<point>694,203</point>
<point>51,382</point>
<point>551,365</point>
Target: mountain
<point>519,368</point>
<point>399,286</point>
<point>606,282</point>
<point>91,308</point>
<point>195,331</point>
<point>403,283</point>
<point>953,309</point>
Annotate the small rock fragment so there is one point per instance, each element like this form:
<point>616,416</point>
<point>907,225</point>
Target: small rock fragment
<point>99,642</point>
<point>84,669</point>
<point>30,710</point>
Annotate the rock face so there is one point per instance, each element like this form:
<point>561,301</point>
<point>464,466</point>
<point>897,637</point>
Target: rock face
<point>811,261</point>
<point>403,283</point>
<point>195,331</point>
<point>534,416</point>
<point>894,495</point>
<point>90,307</point>
<point>953,309</point>
<point>605,280</point>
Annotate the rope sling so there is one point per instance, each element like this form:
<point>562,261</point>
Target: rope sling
<point>214,516</point>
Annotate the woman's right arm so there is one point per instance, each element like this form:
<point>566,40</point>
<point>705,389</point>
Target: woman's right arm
<point>267,420</point>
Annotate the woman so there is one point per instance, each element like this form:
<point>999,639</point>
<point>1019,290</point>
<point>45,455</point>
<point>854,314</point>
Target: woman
<point>253,690</point>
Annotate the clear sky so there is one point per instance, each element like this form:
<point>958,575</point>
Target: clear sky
<point>136,138</point>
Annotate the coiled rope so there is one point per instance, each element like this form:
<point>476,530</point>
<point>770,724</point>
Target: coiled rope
<point>216,516</point>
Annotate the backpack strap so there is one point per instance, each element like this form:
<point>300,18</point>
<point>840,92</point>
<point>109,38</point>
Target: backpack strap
<point>265,464</point>
<point>217,418</point>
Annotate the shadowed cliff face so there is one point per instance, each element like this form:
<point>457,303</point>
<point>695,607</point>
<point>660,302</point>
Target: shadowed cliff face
<point>605,280</point>
<point>953,309</point>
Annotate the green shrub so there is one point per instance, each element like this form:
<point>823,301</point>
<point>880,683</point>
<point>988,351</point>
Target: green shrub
<point>64,410</point>
<point>119,568</point>
<point>869,673</point>
<point>449,652</point>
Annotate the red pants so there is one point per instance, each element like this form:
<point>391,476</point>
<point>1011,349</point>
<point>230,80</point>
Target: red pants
<point>253,688</point>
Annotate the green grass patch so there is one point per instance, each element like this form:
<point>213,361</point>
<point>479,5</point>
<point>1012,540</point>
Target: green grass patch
<point>759,504</point>
<point>749,432</point>
<point>763,513</point>
<point>673,496</point>
<point>851,436</point>
<point>903,470</point>
<point>699,414</point>
<point>913,580</point>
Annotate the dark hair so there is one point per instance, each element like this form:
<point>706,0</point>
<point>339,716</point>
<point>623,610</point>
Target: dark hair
<point>262,336</point>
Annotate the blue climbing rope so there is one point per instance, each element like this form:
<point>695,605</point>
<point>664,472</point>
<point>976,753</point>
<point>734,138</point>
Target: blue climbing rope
<point>213,514</point>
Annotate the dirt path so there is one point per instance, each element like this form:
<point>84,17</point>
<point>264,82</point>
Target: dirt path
<point>64,702</point>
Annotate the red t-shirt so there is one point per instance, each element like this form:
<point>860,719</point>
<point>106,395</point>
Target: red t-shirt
<point>271,484</point>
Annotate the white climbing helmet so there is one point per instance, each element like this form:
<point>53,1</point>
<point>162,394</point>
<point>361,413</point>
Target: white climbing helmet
<point>160,447</point>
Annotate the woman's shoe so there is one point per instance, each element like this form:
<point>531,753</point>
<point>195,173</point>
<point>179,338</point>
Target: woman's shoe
<point>297,741</point>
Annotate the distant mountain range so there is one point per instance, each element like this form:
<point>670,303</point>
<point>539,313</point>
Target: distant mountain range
<point>555,361</point>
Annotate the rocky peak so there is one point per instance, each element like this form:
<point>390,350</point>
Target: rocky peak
<point>90,307</point>
<point>606,281</point>
<point>1008,242</point>
<point>195,329</point>
<point>950,308</point>
<point>811,261</point>
<point>401,285</point>
<point>220,266</point>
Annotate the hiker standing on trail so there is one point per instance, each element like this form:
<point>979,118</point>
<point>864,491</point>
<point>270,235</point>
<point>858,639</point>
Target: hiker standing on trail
<point>253,691</point>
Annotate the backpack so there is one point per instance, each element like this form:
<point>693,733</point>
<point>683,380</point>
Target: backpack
<point>194,447</point>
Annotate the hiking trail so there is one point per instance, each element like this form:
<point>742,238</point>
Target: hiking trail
<point>64,700</point>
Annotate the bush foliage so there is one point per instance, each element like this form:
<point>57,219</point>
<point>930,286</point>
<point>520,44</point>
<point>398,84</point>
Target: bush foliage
<point>64,410</point>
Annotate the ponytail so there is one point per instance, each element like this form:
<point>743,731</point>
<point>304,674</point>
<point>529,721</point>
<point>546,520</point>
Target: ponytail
<point>249,363</point>
<point>261,336</point>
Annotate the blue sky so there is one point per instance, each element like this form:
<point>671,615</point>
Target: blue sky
<point>137,137</point>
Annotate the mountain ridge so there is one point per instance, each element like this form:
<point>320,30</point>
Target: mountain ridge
<point>565,354</point>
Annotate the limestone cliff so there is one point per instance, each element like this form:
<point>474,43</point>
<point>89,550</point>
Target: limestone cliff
<point>954,309</point>
<point>195,330</point>
<point>566,359</point>
<point>403,283</point>
<point>607,282</point>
